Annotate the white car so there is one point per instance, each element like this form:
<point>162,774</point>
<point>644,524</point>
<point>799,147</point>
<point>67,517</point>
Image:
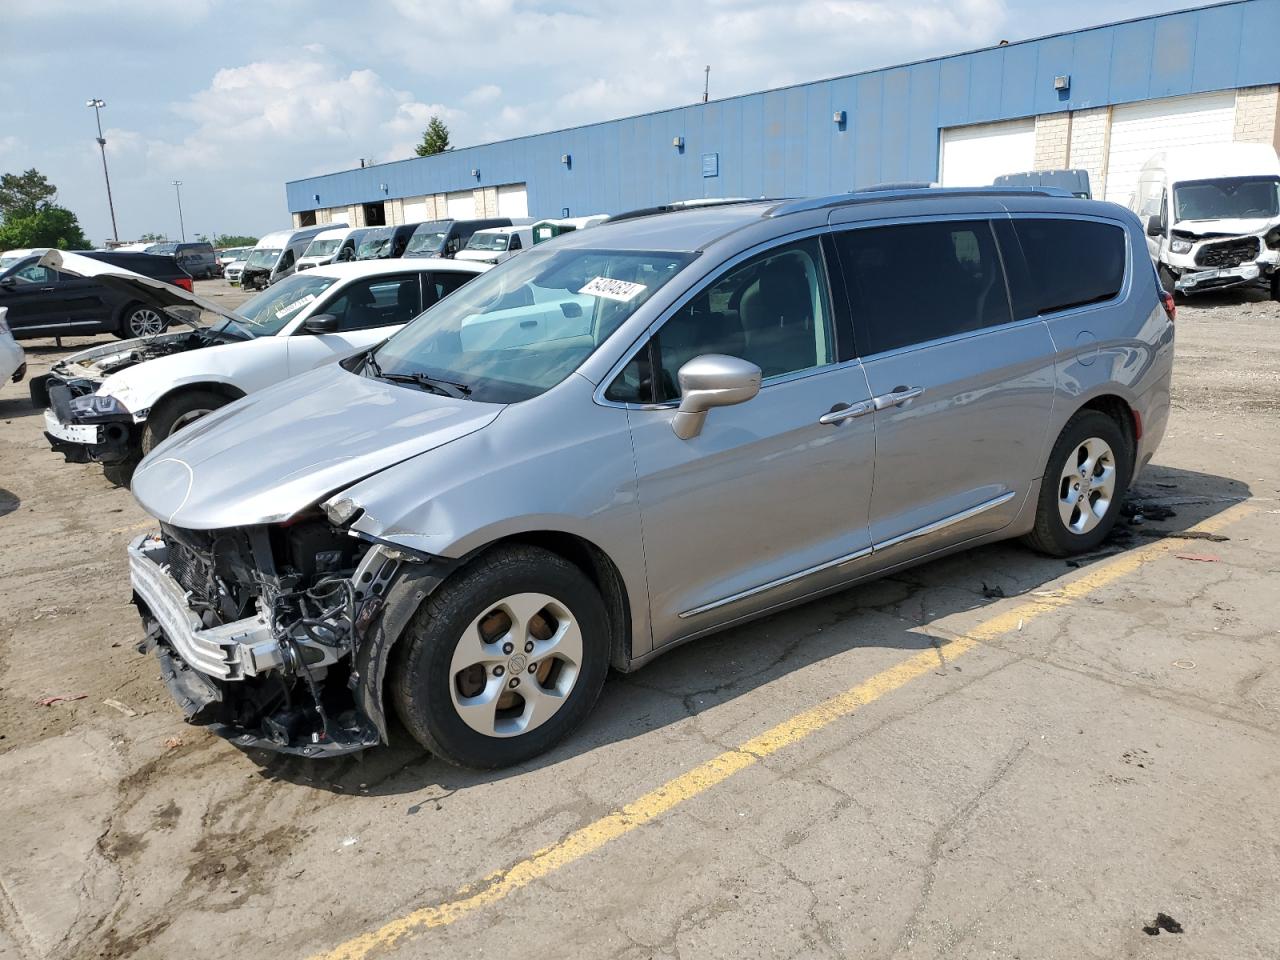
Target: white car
<point>231,272</point>
<point>113,403</point>
<point>13,362</point>
<point>497,244</point>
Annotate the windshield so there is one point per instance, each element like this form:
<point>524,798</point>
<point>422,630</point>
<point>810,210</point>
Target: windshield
<point>488,241</point>
<point>374,246</point>
<point>322,248</point>
<point>1242,198</point>
<point>427,240</point>
<point>520,329</point>
<point>268,312</point>
<point>263,257</point>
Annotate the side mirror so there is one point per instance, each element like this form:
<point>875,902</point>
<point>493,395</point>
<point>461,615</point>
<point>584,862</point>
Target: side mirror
<point>321,323</point>
<point>712,380</point>
<point>8,283</point>
<point>1155,225</point>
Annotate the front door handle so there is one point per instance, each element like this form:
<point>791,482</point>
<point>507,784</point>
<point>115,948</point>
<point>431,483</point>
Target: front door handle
<point>899,395</point>
<point>842,412</point>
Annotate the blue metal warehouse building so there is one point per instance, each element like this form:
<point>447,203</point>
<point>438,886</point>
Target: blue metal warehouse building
<point>1103,99</point>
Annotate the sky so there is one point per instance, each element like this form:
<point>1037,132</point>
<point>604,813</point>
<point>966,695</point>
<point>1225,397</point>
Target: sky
<point>236,97</point>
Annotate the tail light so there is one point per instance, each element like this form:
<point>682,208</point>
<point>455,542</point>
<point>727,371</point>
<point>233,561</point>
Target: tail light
<point>1170,309</point>
<point>185,284</point>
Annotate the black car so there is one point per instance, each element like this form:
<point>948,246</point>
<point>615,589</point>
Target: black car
<point>198,259</point>
<point>45,303</point>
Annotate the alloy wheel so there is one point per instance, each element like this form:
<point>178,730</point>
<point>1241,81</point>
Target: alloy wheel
<point>145,322</point>
<point>186,419</point>
<point>1087,486</point>
<point>515,665</point>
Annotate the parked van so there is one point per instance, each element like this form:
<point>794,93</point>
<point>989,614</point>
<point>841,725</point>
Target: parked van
<point>1075,182</point>
<point>545,230</point>
<point>198,258</point>
<point>547,473</point>
<point>1212,216</point>
<point>497,244</point>
<point>444,238</point>
<point>276,255</point>
<point>336,245</point>
<point>382,243</point>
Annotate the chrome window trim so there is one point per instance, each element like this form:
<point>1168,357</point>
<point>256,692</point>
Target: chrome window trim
<point>924,531</point>
<point>707,280</point>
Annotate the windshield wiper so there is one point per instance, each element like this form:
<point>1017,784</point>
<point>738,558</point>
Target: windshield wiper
<point>446,388</point>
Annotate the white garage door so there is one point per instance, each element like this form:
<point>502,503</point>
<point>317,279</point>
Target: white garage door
<point>974,156</point>
<point>461,205</point>
<point>513,200</point>
<point>1140,129</point>
<point>415,211</point>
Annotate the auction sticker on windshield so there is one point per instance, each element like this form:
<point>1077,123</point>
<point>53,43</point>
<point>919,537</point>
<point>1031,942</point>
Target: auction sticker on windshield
<point>296,305</point>
<point>621,290</point>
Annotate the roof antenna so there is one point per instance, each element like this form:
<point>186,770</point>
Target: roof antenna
<point>706,82</point>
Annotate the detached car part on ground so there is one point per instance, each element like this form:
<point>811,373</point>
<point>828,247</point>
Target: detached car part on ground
<point>113,403</point>
<point>638,435</point>
<point>13,362</point>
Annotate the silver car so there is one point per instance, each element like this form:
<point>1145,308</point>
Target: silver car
<point>638,435</point>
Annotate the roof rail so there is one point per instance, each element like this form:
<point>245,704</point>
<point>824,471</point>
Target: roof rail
<point>877,195</point>
<point>680,205</point>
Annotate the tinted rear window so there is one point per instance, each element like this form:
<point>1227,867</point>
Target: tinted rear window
<point>1070,263</point>
<point>916,282</point>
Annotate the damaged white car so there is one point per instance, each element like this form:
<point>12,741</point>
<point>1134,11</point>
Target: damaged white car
<point>1212,217</point>
<point>112,404</point>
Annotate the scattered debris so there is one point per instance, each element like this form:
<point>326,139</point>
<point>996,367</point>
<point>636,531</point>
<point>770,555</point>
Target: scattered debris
<point>350,841</point>
<point>1185,664</point>
<point>992,593</point>
<point>1148,510</point>
<point>1136,757</point>
<point>1163,922</point>
<point>172,743</point>
<point>1199,557</point>
<point>64,698</point>
<point>1185,535</point>
<point>117,705</point>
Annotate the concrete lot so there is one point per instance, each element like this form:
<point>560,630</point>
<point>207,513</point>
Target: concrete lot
<point>1033,775</point>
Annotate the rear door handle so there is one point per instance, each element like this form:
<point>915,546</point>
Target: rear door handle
<point>846,412</point>
<point>899,395</point>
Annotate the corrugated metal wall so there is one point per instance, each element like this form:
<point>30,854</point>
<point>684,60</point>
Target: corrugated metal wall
<point>785,143</point>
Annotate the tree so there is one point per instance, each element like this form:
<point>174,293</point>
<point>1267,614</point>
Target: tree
<point>153,238</point>
<point>435,139</point>
<point>48,226</point>
<point>224,240</point>
<point>22,194</point>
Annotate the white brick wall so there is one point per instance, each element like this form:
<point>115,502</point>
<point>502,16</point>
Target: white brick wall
<point>395,212</point>
<point>1088,146</point>
<point>1258,115</point>
<point>1053,136</point>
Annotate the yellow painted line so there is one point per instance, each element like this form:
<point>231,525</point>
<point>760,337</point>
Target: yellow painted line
<point>140,525</point>
<point>703,777</point>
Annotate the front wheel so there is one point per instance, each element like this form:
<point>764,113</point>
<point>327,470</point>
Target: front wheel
<point>141,321</point>
<point>1084,482</point>
<point>503,660</point>
<point>1168,281</point>
<point>177,412</point>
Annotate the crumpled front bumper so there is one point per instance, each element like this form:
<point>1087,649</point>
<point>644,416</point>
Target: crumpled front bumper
<point>208,669</point>
<point>1198,281</point>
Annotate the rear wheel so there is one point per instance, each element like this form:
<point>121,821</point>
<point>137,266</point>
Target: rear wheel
<point>503,660</point>
<point>1275,285</point>
<point>1084,482</point>
<point>178,412</point>
<point>141,321</point>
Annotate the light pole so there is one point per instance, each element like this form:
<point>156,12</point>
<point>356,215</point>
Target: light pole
<point>102,145</point>
<point>177,188</point>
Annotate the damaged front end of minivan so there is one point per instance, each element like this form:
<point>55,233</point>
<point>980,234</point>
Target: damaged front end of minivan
<point>276,636</point>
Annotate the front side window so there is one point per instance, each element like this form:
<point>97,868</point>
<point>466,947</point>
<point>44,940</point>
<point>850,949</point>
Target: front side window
<point>518,330</point>
<point>773,310</point>
<point>914,282</point>
<point>1070,263</point>
<point>376,302</point>
<point>268,312</point>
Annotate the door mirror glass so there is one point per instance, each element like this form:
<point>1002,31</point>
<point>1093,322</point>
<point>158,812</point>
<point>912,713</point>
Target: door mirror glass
<point>1155,225</point>
<point>712,380</point>
<point>321,323</point>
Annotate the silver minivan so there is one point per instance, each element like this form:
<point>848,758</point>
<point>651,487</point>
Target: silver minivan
<point>636,436</point>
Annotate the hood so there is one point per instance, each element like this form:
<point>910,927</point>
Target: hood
<point>152,292</point>
<point>479,256</point>
<point>271,455</point>
<point>100,362</point>
<point>1227,227</point>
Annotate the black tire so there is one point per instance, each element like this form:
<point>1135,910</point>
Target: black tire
<point>1275,286</point>
<point>135,316</point>
<point>120,474</point>
<point>1168,281</point>
<point>420,681</point>
<point>1051,535</point>
<point>176,412</point>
